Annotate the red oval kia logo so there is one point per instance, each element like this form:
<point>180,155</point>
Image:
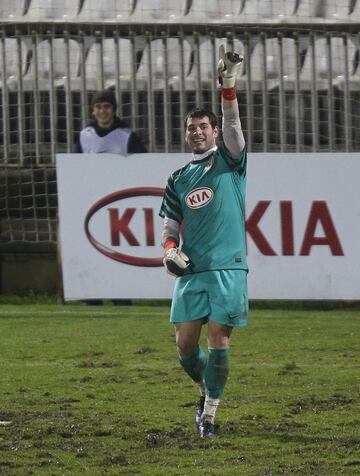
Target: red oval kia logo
<point>199,197</point>
<point>116,197</point>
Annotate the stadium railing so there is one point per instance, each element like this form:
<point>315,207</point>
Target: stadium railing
<point>49,73</point>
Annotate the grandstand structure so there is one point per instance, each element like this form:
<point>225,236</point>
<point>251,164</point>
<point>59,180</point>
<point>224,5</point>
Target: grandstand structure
<point>298,89</point>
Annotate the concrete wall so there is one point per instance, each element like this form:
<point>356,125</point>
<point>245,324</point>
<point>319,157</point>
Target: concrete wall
<point>24,273</point>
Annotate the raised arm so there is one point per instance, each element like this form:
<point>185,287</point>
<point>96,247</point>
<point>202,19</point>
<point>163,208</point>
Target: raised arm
<point>228,67</point>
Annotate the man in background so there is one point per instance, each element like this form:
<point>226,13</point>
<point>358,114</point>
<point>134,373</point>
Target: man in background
<point>106,133</point>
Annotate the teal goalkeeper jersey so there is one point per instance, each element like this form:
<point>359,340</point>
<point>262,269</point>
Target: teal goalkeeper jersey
<point>208,198</point>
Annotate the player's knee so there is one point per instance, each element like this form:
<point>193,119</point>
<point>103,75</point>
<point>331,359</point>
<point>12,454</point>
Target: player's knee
<point>185,347</point>
<point>218,339</point>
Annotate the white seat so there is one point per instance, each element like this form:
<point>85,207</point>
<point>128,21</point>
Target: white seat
<point>12,10</point>
<point>59,65</point>
<point>263,11</point>
<point>354,80</point>
<point>106,10</point>
<point>337,11</point>
<point>11,62</point>
<point>225,11</point>
<point>159,11</point>
<point>93,65</point>
<point>271,77</point>
<point>272,51</point>
<point>322,63</point>
<point>327,76</point>
<point>353,66</point>
<point>43,10</point>
<point>309,11</point>
<point>354,16</point>
<point>157,71</point>
<point>208,59</point>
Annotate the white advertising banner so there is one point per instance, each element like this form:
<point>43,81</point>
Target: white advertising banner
<point>302,221</point>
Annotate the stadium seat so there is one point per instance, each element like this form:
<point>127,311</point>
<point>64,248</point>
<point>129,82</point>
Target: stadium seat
<point>354,80</point>
<point>308,11</point>
<point>331,11</point>
<point>225,11</point>
<point>354,16</point>
<point>263,11</point>
<point>11,61</point>
<point>322,64</point>
<point>318,11</point>
<point>12,10</point>
<point>270,78</point>
<point>159,11</point>
<point>106,10</point>
<point>335,11</point>
<point>59,64</point>
<point>93,65</point>
<point>353,67</point>
<point>156,71</point>
<point>320,79</point>
<point>43,10</point>
<point>208,58</point>
<point>272,51</point>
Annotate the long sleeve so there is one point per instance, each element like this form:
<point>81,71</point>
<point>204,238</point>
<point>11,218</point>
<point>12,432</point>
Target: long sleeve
<point>231,127</point>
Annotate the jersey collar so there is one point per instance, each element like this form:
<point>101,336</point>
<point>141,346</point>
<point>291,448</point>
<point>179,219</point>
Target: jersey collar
<point>204,155</point>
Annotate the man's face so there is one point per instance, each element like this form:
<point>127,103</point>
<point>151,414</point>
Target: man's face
<point>104,114</point>
<point>200,135</point>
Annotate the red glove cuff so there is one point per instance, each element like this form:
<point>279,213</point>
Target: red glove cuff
<point>229,94</point>
<point>170,243</point>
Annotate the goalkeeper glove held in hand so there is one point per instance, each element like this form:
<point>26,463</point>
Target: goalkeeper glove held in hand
<point>176,262</point>
<point>228,67</point>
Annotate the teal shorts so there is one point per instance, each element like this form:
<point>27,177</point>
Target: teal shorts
<point>219,296</point>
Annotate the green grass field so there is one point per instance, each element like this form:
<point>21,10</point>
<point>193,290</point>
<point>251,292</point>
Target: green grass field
<point>97,390</point>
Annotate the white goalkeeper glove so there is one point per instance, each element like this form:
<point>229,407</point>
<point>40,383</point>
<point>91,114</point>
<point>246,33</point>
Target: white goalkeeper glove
<point>176,262</point>
<point>228,67</point>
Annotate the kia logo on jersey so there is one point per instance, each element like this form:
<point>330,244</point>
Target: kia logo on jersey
<point>200,197</point>
<point>125,220</point>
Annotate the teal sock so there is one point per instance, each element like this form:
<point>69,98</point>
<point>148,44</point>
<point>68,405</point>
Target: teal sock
<point>216,372</point>
<point>194,364</point>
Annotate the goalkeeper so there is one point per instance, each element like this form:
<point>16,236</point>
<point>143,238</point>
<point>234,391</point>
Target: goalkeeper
<point>205,200</point>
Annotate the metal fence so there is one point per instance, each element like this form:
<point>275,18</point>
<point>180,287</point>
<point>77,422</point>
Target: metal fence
<point>298,89</point>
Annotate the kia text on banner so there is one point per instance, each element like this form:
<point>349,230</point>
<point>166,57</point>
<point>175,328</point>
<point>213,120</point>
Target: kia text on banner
<point>302,221</point>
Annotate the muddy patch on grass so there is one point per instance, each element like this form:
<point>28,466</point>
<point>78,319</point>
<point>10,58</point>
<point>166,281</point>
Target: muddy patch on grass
<point>145,350</point>
<point>288,426</point>
<point>155,439</point>
<point>88,355</point>
<point>291,368</point>
<point>116,460</point>
<point>317,405</point>
<point>114,379</point>
<point>22,417</point>
<point>62,400</point>
<point>352,463</point>
<point>104,432</point>
<point>159,438</point>
<point>177,437</point>
<point>96,365</point>
<point>7,465</point>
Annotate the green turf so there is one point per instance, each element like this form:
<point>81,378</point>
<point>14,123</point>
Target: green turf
<point>97,390</point>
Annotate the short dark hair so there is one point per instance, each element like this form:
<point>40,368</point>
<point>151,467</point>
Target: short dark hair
<point>107,95</point>
<point>198,114</point>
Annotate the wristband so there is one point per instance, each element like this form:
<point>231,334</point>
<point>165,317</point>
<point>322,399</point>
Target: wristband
<point>229,94</point>
<point>169,244</point>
